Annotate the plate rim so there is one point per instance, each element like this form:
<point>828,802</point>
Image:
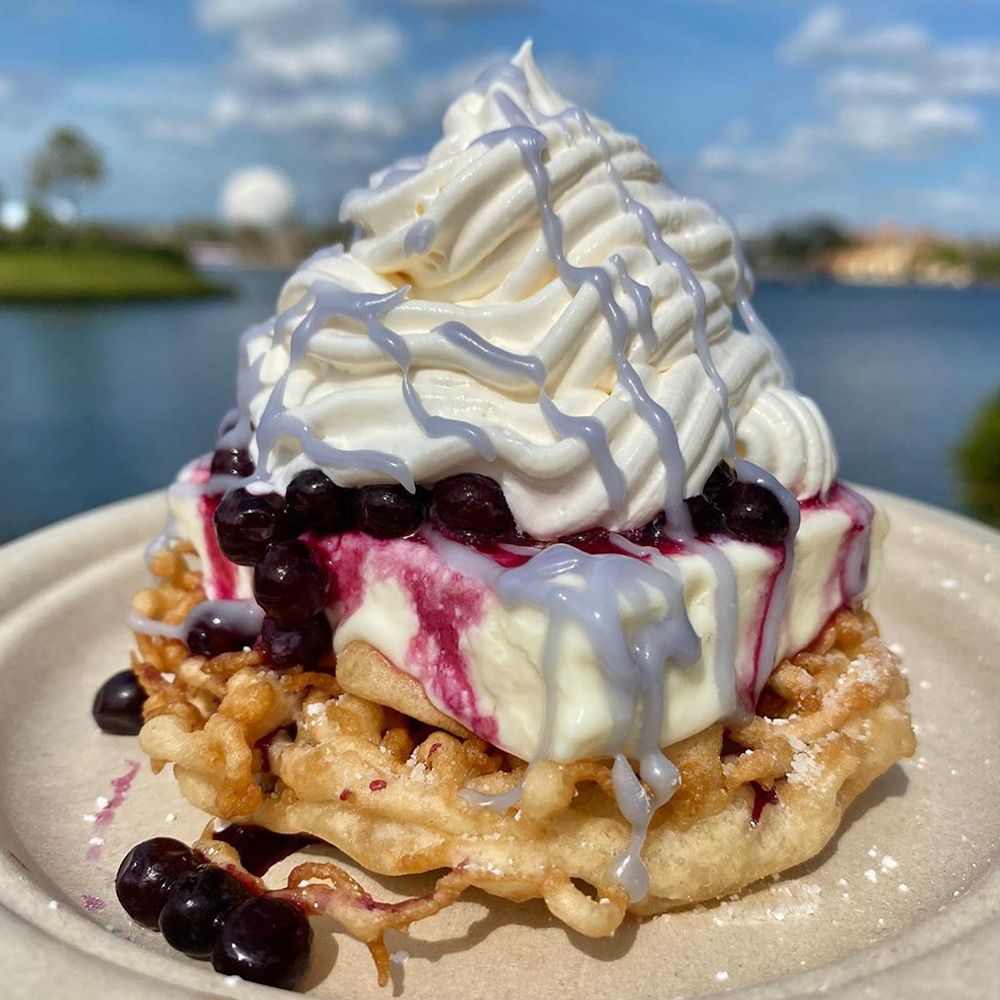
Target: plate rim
<point>943,938</point>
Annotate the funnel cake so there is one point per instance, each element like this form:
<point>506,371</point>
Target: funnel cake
<point>387,788</point>
<point>517,558</point>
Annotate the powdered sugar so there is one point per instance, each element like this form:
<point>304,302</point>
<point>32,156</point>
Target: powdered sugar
<point>789,901</point>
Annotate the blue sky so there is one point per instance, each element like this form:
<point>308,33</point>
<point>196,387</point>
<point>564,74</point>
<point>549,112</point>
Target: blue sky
<point>771,108</point>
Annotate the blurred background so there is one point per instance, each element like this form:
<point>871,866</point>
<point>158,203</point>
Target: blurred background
<point>164,164</point>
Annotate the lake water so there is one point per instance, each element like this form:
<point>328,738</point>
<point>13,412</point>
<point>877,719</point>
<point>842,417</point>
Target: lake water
<point>102,402</point>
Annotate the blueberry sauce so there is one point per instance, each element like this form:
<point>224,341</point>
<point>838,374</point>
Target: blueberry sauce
<point>762,797</point>
<point>219,570</point>
<point>261,849</point>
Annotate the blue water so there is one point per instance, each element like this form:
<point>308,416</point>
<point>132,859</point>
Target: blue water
<point>102,402</point>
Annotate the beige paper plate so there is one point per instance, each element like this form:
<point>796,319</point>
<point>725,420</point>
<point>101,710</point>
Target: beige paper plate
<point>905,903</point>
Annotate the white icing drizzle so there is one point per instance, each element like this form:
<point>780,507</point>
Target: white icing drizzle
<point>775,612</point>
<point>164,540</point>
<point>242,617</point>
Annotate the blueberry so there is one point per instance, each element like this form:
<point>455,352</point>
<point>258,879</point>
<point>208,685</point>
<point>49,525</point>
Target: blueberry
<point>246,523</point>
<point>753,513</point>
<point>297,645</point>
<point>706,517</point>
<point>320,504</point>
<point>653,532</point>
<point>210,635</point>
<point>475,506</point>
<point>148,874</point>
<point>118,704</point>
<point>723,476</point>
<point>192,918</point>
<point>231,462</point>
<point>288,585</point>
<point>265,940</point>
<point>389,511</point>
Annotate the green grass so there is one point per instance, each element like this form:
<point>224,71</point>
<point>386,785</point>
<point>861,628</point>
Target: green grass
<point>98,274</point>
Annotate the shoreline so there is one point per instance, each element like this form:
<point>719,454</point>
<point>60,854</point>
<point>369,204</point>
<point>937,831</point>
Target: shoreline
<point>101,275</point>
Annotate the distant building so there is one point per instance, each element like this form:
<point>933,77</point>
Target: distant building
<point>892,256</point>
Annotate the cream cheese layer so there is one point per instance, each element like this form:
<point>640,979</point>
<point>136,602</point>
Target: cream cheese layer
<point>433,609</point>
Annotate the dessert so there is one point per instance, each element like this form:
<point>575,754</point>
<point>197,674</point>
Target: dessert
<point>517,558</point>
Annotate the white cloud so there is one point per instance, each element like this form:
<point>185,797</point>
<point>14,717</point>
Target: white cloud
<point>909,57</point>
<point>971,70</point>
<point>7,88</point>
<point>803,150</point>
<point>824,35</point>
<point>853,83</point>
<point>225,15</point>
<point>353,113</point>
<point>876,130</point>
<point>913,129</point>
<point>347,54</point>
<point>892,93</point>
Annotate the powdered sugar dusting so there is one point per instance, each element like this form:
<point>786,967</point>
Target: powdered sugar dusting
<point>788,901</point>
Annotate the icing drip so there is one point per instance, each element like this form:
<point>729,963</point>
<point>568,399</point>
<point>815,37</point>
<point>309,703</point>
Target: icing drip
<point>164,540</point>
<point>420,236</point>
<point>576,588</point>
<point>242,617</point>
<point>775,612</point>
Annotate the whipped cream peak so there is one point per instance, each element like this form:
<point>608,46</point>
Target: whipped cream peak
<point>556,317</point>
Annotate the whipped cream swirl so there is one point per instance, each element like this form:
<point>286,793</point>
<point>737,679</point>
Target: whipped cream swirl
<point>452,337</point>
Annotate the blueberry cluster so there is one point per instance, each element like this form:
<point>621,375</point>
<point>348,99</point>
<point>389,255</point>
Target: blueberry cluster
<point>262,530</point>
<point>747,511</point>
<point>468,507</point>
<point>207,912</point>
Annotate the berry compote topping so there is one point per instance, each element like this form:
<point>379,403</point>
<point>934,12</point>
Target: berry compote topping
<point>231,462</point>
<point>302,645</point>
<point>596,541</point>
<point>210,634</point>
<point>192,917</point>
<point>389,511</point>
<point>753,513</point>
<point>266,940</point>
<point>288,585</point>
<point>473,507</point>
<point>259,849</point>
<point>148,875</point>
<point>320,504</point>
<point>247,523</point>
<point>118,704</point>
